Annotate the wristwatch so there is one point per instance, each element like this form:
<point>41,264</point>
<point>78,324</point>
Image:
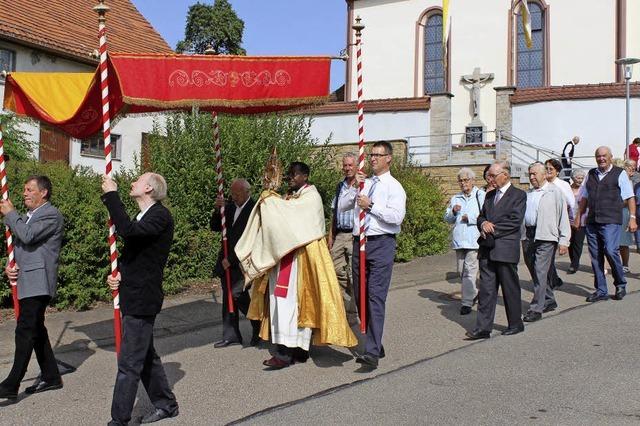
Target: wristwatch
<point>370,207</point>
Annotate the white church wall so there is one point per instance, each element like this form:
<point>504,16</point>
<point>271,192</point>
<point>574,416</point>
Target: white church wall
<point>343,128</point>
<point>388,46</point>
<point>597,122</point>
<point>633,34</point>
<point>583,40</point>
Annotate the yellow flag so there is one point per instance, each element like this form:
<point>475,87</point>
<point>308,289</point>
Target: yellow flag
<point>445,30</point>
<point>526,22</point>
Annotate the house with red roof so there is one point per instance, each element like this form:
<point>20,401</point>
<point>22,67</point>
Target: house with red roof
<point>62,36</point>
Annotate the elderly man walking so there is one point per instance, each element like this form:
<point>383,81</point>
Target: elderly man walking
<point>499,222</point>
<point>340,239</point>
<point>463,212</point>
<point>605,191</point>
<point>546,223</point>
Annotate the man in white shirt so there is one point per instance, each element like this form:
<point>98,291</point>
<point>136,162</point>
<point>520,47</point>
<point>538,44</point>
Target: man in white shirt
<point>384,201</point>
<point>546,223</point>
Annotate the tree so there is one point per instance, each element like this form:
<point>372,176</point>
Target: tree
<point>213,26</point>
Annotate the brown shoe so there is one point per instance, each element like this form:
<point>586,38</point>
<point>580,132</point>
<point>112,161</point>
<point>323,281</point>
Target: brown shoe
<point>275,363</point>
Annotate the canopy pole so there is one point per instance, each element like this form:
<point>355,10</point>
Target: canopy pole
<point>102,10</point>
<point>223,220</point>
<point>358,27</point>
<point>7,231</point>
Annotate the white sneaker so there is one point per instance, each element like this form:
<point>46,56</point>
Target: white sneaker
<point>626,270</point>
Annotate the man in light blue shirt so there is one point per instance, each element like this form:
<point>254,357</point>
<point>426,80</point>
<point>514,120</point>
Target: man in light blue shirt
<point>340,240</point>
<point>463,212</point>
<point>605,191</point>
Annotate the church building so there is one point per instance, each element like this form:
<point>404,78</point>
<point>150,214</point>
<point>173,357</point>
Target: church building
<point>484,93</point>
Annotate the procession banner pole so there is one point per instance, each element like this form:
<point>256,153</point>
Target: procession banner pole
<point>223,221</point>
<point>7,232</point>
<point>358,27</point>
<point>106,133</point>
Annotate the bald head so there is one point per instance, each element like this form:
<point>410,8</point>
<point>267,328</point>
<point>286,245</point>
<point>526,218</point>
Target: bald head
<point>240,191</point>
<point>604,158</point>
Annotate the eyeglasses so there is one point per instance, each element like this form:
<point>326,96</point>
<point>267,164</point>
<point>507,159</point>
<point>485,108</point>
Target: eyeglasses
<point>490,175</point>
<point>377,155</point>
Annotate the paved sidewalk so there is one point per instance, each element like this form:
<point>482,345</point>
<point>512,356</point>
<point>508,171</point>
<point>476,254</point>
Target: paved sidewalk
<point>70,331</point>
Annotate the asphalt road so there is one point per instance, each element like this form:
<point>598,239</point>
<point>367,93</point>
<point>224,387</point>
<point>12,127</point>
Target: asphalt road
<point>576,366</point>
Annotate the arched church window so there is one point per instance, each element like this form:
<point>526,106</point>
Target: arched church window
<point>434,70</point>
<point>531,66</point>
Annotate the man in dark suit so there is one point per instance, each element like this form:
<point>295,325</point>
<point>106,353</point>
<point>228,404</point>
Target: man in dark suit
<point>499,223</point>
<point>236,215</point>
<point>37,238</point>
<point>147,241</point>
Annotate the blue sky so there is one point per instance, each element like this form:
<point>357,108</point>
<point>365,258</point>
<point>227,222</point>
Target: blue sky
<point>272,27</point>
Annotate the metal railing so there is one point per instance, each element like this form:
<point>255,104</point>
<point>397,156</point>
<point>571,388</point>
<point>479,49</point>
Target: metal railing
<point>527,153</point>
<point>421,148</point>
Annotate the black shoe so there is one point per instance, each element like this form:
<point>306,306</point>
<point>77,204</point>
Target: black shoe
<point>477,335</point>
<point>550,307</point>
<point>255,341</point>
<point>7,393</point>
<point>465,310</point>
<point>157,415</point>
<point>532,316</point>
<point>558,283</point>
<point>42,386</point>
<point>595,297</point>
<point>475,300</point>
<point>300,356</point>
<point>225,343</point>
<point>368,361</point>
<point>513,330</point>
<point>382,354</point>
<point>620,293</point>
<point>571,270</point>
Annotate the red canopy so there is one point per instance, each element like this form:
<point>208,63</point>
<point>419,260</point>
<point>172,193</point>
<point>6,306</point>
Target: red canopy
<point>150,83</point>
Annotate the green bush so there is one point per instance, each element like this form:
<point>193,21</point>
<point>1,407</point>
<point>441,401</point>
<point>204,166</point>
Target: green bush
<point>423,230</point>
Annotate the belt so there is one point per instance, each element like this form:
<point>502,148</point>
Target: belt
<point>375,237</point>
<point>344,230</point>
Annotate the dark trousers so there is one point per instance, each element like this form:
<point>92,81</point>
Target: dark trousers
<point>494,275</point>
<point>241,301</point>
<point>32,336</point>
<point>138,361</point>
<point>381,251</point>
<point>575,248</point>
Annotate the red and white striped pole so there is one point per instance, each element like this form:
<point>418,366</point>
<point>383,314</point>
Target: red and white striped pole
<point>223,220</point>
<point>358,27</point>
<point>106,133</point>
<point>7,231</point>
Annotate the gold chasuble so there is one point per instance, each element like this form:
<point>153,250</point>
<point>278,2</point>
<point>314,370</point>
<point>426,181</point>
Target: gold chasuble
<point>279,226</point>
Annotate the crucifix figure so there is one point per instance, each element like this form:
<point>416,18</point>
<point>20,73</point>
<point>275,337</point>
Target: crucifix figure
<point>477,82</point>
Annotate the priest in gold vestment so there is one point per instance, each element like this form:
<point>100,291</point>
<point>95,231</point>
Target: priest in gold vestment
<point>296,294</point>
